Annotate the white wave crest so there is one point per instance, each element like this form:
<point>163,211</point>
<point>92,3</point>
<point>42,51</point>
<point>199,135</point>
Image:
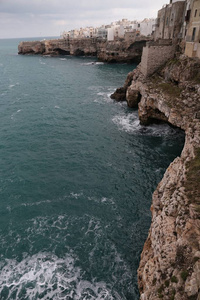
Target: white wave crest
<point>76,195</point>
<point>130,123</point>
<point>41,62</point>
<point>88,63</point>
<point>46,276</point>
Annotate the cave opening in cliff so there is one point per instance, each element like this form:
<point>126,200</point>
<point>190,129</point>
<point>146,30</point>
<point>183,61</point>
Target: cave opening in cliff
<point>158,121</point>
<point>30,52</point>
<point>112,61</point>
<point>79,52</point>
<point>158,117</point>
<point>62,52</point>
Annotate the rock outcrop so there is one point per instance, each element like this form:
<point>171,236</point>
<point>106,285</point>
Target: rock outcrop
<point>120,51</point>
<point>116,51</point>
<point>170,261</point>
<point>120,93</point>
<point>76,47</point>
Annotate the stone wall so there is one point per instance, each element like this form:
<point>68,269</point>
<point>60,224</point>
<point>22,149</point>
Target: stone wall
<point>154,56</point>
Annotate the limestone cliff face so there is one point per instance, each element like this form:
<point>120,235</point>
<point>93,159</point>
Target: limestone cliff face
<point>35,47</point>
<point>116,51</point>
<point>59,47</point>
<point>170,261</point>
<point>120,51</point>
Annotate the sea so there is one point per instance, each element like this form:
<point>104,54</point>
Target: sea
<point>77,173</point>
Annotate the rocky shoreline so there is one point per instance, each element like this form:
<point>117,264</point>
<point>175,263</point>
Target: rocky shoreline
<point>116,51</point>
<point>170,261</point>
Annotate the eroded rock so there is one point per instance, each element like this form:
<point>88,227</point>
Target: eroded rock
<point>169,266</point>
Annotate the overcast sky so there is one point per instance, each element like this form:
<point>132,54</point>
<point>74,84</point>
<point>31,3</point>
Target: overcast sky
<point>40,18</point>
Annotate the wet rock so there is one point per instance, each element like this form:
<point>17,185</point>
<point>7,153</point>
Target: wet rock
<point>171,248</point>
<point>133,98</point>
<point>119,94</point>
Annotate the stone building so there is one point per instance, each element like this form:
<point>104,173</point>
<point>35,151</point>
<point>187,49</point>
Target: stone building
<point>168,30</point>
<point>130,36</point>
<point>192,29</point>
<point>170,20</point>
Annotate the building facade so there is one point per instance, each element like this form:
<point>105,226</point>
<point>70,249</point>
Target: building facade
<point>170,21</point>
<point>147,27</point>
<point>192,29</point>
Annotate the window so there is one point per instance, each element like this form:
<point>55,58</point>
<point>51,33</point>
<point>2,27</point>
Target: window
<point>195,13</point>
<point>167,21</point>
<point>187,17</point>
<point>193,34</point>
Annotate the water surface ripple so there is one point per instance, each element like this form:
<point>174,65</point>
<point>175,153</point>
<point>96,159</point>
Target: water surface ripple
<point>76,178</point>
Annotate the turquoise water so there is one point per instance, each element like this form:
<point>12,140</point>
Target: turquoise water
<point>76,178</point>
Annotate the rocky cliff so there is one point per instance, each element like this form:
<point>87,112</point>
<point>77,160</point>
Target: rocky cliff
<point>59,47</point>
<point>116,51</point>
<point>120,51</point>
<point>170,261</point>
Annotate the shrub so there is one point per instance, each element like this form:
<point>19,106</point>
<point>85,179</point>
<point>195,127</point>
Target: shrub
<point>184,274</point>
<point>174,279</point>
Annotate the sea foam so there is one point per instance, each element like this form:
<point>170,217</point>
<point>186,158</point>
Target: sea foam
<point>46,276</point>
<point>131,124</point>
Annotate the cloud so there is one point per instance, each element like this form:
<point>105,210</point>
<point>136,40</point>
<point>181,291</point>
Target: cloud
<point>61,23</point>
<point>20,18</point>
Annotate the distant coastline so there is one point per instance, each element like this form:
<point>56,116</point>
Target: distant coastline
<point>116,51</point>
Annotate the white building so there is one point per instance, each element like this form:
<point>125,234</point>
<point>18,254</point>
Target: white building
<point>121,31</point>
<point>147,27</point>
<point>116,30</point>
<point>111,34</point>
<point>102,32</point>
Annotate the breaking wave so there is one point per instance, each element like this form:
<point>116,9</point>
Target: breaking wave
<point>46,276</point>
<point>131,124</point>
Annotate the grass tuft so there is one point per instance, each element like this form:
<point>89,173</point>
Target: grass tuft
<point>170,89</point>
<point>174,279</point>
<point>184,274</point>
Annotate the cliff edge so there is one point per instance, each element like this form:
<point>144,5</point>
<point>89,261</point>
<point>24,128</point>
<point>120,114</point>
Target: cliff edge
<point>107,51</point>
<point>170,261</point>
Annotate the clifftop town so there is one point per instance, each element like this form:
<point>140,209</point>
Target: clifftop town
<point>121,41</point>
<point>124,29</point>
